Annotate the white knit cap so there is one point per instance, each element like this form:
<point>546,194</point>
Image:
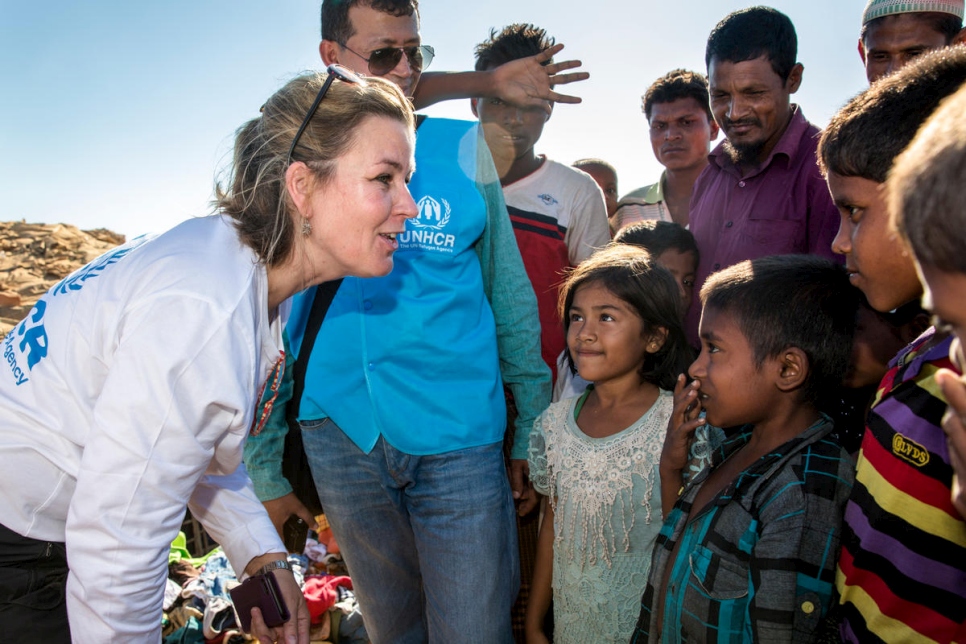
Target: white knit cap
<point>880,8</point>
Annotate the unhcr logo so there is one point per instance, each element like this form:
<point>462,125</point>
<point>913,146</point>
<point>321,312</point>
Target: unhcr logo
<point>426,230</point>
<point>432,214</point>
<point>909,450</point>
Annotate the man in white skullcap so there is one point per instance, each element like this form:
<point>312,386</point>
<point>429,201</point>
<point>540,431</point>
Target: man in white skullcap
<point>896,31</point>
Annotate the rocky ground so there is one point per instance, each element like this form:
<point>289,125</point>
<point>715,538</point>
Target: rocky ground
<point>34,257</point>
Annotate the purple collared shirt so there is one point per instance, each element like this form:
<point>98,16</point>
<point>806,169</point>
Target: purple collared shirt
<point>782,207</point>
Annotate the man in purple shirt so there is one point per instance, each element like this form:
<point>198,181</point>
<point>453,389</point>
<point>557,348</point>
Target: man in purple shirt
<point>762,192</point>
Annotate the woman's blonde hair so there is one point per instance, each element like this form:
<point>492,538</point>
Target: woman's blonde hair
<point>256,197</point>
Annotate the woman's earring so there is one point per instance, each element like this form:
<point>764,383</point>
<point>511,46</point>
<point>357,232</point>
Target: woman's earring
<point>306,228</point>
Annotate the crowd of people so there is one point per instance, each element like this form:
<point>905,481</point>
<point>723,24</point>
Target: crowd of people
<point>727,407</point>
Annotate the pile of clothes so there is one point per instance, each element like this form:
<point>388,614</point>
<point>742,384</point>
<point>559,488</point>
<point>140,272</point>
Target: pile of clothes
<point>198,608</point>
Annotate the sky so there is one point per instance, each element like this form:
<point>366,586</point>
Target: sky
<point>121,115</point>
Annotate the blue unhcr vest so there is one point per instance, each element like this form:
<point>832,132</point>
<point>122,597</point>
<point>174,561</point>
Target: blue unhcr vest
<point>413,356</point>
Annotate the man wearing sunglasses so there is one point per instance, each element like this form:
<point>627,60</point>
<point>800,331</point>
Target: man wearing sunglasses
<point>403,412</point>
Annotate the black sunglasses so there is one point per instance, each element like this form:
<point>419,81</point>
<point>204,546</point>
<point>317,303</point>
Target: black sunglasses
<point>335,72</point>
<point>384,60</point>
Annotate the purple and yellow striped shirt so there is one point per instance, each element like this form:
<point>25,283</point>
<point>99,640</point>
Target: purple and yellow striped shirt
<point>902,571</point>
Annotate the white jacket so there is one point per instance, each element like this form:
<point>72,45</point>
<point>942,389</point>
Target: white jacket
<point>127,393</point>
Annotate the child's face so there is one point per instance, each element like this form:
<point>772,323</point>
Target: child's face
<point>944,299</point>
<point>733,390</point>
<point>510,131</point>
<point>682,266</point>
<point>874,344</point>
<point>877,261</point>
<point>606,336</point>
<point>607,180</point>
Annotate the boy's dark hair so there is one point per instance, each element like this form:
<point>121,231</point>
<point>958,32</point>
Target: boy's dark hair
<point>865,137</point>
<point>335,15</point>
<point>751,33</point>
<point>658,236</point>
<point>944,23</point>
<point>649,289</point>
<point>675,85</point>
<point>592,162</point>
<point>785,301</point>
<point>925,189</point>
<point>514,41</point>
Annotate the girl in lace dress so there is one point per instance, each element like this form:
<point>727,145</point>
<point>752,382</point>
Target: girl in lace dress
<point>596,456</point>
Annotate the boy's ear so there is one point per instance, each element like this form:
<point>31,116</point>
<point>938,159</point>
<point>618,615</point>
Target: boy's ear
<point>793,369</point>
<point>473,102</point>
<point>656,340</point>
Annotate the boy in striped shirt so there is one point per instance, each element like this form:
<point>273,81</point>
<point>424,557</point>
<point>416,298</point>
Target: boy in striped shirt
<point>902,570</point>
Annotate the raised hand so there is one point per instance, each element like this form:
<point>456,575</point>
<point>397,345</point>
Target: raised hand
<point>527,82</point>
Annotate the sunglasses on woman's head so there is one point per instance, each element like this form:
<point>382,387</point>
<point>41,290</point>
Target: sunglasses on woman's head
<point>335,72</point>
<point>384,60</point>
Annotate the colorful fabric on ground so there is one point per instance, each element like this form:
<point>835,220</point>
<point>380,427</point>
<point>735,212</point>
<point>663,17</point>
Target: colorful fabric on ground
<point>321,593</point>
<point>902,571</point>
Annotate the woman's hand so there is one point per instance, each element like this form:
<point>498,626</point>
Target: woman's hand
<point>296,629</point>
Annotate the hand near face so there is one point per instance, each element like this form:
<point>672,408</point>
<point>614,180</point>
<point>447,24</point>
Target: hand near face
<point>528,83</point>
<point>685,419</point>
<point>954,424</point>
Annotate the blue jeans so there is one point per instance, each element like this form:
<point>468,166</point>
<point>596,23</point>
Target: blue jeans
<point>430,541</point>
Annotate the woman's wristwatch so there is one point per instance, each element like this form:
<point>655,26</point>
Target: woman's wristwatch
<point>276,565</point>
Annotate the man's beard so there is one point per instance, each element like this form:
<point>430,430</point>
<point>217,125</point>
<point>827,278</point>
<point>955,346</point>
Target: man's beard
<point>744,154</point>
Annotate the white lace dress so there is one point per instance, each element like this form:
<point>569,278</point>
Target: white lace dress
<point>607,513</point>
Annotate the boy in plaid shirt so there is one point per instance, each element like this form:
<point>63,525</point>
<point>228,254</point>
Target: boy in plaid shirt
<point>747,553</point>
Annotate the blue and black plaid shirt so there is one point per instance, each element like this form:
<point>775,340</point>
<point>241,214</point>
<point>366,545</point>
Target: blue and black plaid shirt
<point>758,563</point>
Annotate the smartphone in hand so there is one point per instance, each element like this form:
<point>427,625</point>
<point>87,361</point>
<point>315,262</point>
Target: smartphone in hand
<point>294,533</point>
<point>262,592</point>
